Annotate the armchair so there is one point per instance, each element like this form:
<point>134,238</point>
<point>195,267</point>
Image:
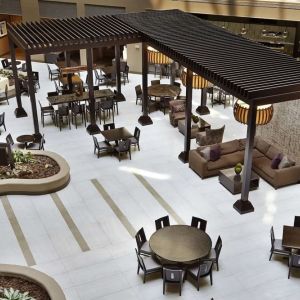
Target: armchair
<point>177,111</point>
<point>210,136</point>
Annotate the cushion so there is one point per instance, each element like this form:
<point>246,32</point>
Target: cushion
<point>262,145</point>
<point>230,147</point>
<point>215,152</point>
<point>285,163</point>
<point>263,164</point>
<point>205,153</point>
<point>178,108</point>
<point>276,160</point>
<point>272,152</point>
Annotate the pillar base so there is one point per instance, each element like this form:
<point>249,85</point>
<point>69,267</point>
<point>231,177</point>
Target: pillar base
<point>20,112</point>
<point>145,120</point>
<point>93,129</point>
<point>243,207</point>
<point>184,157</point>
<point>202,110</point>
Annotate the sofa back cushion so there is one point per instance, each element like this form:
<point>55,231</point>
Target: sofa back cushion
<point>230,147</point>
<point>262,145</point>
<point>242,143</point>
<point>272,152</point>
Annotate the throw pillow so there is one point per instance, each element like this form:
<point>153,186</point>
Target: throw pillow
<point>215,152</point>
<point>178,108</point>
<point>286,163</point>
<point>276,161</point>
<point>205,153</point>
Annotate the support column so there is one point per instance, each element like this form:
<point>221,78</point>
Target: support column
<point>37,133</point>
<point>243,205</point>
<point>145,119</point>
<point>118,72</point>
<point>68,64</point>
<point>184,156</point>
<point>93,127</point>
<point>203,109</point>
<point>172,72</point>
<point>296,51</point>
<point>19,111</point>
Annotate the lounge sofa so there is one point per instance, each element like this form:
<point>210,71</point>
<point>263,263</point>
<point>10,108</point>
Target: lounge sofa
<point>232,152</point>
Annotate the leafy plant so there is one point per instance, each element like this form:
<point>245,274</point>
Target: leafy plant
<point>195,118</point>
<point>12,294</point>
<point>22,157</point>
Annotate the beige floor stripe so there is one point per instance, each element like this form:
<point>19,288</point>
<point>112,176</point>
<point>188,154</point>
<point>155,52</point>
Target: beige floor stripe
<point>18,231</point>
<point>71,224</point>
<point>159,198</point>
<point>123,219</point>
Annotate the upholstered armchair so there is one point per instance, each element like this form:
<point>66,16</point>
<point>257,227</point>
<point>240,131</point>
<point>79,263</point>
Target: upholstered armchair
<point>177,111</point>
<point>210,136</point>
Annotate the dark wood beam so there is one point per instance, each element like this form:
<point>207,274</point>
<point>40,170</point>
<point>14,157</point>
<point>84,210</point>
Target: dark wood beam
<point>184,156</point>
<point>37,133</point>
<point>243,205</point>
<point>19,111</point>
<point>145,119</point>
<point>93,127</point>
<point>118,73</point>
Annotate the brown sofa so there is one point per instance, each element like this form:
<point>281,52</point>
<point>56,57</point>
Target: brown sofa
<point>232,152</point>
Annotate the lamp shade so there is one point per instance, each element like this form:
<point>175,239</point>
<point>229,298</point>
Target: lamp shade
<point>264,113</point>
<point>198,81</point>
<point>156,57</point>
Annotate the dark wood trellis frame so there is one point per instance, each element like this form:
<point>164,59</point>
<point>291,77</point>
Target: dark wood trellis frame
<point>246,70</point>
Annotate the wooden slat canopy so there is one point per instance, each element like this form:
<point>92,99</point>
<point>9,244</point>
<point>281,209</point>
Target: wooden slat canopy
<point>245,69</point>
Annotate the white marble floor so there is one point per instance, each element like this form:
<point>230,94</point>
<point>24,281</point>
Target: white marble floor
<point>108,269</point>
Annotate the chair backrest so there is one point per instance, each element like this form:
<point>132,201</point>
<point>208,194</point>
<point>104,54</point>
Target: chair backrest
<point>42,142</point>
<point>96,142</point>
<point>49,70</point>
<point>126,71</point>
<point>40,103</point>
<point>124,146</point>
<point>172,275</point>
<point>162,222</point>
<point>138,90</point>
<point>204,268</point>
<point>109,126</point>
<point>35,76</point>
<point>56,86</point>
<point>50,94</point>
<point>272,236</point>
<point>96,87</point>
<point>137,133</point>
<point>2,118</point>
<point>9,139</point>
<point>155,82</point>
<point>24,67</point>
<point>63,110</point>
<point>96,74</point>
<point>294,260</point>
<point>177,84</point>
<point>5,63</point>
<point>218,247</point>
<point>297,221</point>
<point>140,238</point>
<point>107,104</point>
<point>199,223</point>
<point>214,136</point>
<point>140,261</point>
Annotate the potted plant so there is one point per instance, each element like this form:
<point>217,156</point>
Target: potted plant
<point>238,168</point>
<point>195,119</point>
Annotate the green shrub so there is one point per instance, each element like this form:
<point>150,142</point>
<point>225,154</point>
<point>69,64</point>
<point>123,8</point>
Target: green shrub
<point>21,157</point>
<point>12,294</point>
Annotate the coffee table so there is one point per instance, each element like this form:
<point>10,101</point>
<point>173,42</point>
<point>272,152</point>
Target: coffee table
<point>233,182</point>
<point>198,127</point>
<point>181,244</point>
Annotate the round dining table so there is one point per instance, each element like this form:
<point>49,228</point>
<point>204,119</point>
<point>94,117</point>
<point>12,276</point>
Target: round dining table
<point>25,139</point>
<point>180,244</point>
<point>164,90</point>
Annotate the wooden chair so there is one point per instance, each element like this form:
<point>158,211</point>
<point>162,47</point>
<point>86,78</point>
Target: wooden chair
<point>139,94</point>
<point>63,112</point>
<point>294,262</point>
<point>276,246</point>
<point>123,147</point>
<point>5,63</point>
<point>203,269</point>
<point>199,223</point>
<point>142,243</point>
<point>53,73</point>
<point>4,95</point>
<point>107,107</point>
<point>162,222</point>
<point>135,140</point>
<point>155,82</point>
<point>173,276</point>
<point>125,74</point>
<point>101,147</point>
<point>297,221</point>
<point>165,103</point>
<point>118,97</point>
<point>13,145</point>
<point>2,121</point>
<point>109,126</point>
<point>39,145</point>
<point>147,265</point>
<point>36,80</point>
<point>78,109</point>
<point>46,111</point>
<point>215,253</point>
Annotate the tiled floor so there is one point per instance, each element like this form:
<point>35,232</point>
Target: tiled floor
<point>108,269</point>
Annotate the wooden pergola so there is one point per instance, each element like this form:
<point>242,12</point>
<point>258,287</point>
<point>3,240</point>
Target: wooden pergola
<point>249,71</point>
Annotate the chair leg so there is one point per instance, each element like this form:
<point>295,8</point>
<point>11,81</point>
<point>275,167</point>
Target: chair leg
<point>144,278</point>
<point>119,156</point>
<point>217,263</point>
<point>211,278</point>
<point>271,254</point>
<point>289,273</point>
<point>138,270</point>
<point>164,287</point>
<point>129,154</point>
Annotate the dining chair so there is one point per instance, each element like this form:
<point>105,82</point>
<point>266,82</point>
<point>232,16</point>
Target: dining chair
<point>215,252</point>
<point>199,223</point>
<point>139,94</point>
<point>165,103</point>
<point>177,84</point>
<point>135,140</point>
<point>63,111</point>
<point>155,82</point>
<point>148,265</point>
<point>36,79</point>
<point>125,74</point>
<point>199,271</point>
<point>107,107</point>
<point>101,146</point>
<point>109,126</point>
<point>173,276</point>
<point>297,221</point>
<point>99,77</point>
<point>162,222</point>
<point>276,246</point>
<point>97,111</point>
<point>78,109</point>
<point>123,147</point>
<point>53,73</point>
<point>5,63</point>
<point>2,121</point>
<point>294,262</point>
<point>46,111</point>
<point>38,145</point>
<point>142,243</point>
<point>51,94</point>
<point>4,95</point>
<point>118,97</point>
<point>13,145</point>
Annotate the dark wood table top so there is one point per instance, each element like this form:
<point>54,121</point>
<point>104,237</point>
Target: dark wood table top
<point>291,237</point>
<point>180,243</point>
<point>25,138</point>
<point>116,134</point>
<point>59,99</point>
<point>163,90</point>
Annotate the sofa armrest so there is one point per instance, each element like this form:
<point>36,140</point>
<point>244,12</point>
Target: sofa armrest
<point>197,163</point>
<point>287,176</point>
